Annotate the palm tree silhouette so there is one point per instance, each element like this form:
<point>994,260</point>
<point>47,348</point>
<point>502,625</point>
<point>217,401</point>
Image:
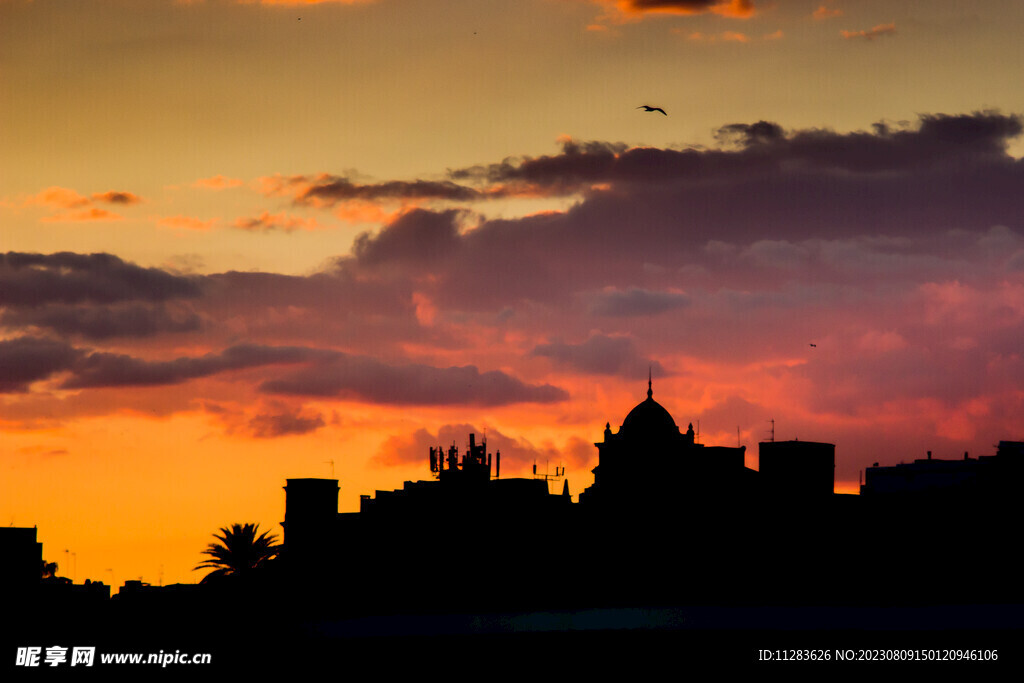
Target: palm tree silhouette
<point>240,552</point>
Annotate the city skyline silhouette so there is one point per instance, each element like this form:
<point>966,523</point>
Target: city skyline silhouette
<point>663,544</point>
<point>248,242</point>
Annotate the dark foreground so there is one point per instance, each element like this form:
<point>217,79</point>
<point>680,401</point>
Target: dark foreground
<point>969,639</point>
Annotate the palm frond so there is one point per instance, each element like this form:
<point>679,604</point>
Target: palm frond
<point>239,551</point>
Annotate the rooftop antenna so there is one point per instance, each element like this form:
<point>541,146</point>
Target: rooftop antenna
<point>331,463</point>
<point>737,436</point>
<point>698,431</point>
<point>547,476</point>
<point>773,429</point>
<point>650,392</point>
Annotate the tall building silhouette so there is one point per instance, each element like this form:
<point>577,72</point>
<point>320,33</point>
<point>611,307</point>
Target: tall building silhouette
<point>649,462</point>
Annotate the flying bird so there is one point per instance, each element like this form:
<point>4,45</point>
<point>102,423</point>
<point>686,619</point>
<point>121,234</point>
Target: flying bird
<point>814,345</point>
<point>647,108</point>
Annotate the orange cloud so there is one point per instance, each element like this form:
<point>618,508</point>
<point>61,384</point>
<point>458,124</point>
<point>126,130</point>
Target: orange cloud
<point>60,197</point>
<point>79,207</point>
<point>365,212</point>
<point>186,223</point>
<point>86,215</point>
<point>871,34</point>
<point>824,12</point>
<point>266,222</point>
<point>217,182</point>
<point>293,186</point>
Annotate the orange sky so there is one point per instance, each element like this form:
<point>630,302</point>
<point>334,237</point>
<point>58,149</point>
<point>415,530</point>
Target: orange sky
<point>262,237</point>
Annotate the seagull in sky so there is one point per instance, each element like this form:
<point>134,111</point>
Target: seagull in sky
<point>647,108</point>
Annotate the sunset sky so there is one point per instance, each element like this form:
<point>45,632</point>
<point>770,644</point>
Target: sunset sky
<point>246,241</point>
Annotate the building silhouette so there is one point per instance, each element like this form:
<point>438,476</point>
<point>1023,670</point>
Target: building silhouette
<point>649,462</point>
<point>23,557</point>
<point>988,477</point>
<point>798,470</point>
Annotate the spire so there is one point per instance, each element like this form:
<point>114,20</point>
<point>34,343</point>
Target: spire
<point>650,393</point>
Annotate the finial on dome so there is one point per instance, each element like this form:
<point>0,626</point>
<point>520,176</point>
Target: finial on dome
<point>650,392</point>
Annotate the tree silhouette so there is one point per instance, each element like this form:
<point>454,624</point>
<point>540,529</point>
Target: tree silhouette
<point>240,552</point>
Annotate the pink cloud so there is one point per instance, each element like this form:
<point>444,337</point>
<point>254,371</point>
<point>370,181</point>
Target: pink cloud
<point>707,263</point>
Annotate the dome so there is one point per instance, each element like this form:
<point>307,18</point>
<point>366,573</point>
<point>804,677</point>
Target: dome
<point>649,418</point>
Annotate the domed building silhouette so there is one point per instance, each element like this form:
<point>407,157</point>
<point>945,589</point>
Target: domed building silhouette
<point>649,462</point>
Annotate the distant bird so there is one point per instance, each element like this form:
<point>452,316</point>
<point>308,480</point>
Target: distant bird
<point>647,108</point>
<point>814,345</point>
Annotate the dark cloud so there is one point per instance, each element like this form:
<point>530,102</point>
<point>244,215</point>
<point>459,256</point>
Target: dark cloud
<point>334,292</point>
<point>636,301</point>
<point>938,142</point>
<point>331,190</point>
<point>338,189</point>
<point>364,378</point>
<point>659,210</point>
<point>117,370</point>
<point>600,355</point>
<point>730,8</point>
<point>417,236</point>
<point>579,163</point>
<point>123,198</point>
<point>266,222</point>
<point>286,423</point>
<point>764,148</point>
<point>103,322</point>
<point>67,278</point>
<point>24,360</point>
<point>748,134</point>
<point>340,307</point>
